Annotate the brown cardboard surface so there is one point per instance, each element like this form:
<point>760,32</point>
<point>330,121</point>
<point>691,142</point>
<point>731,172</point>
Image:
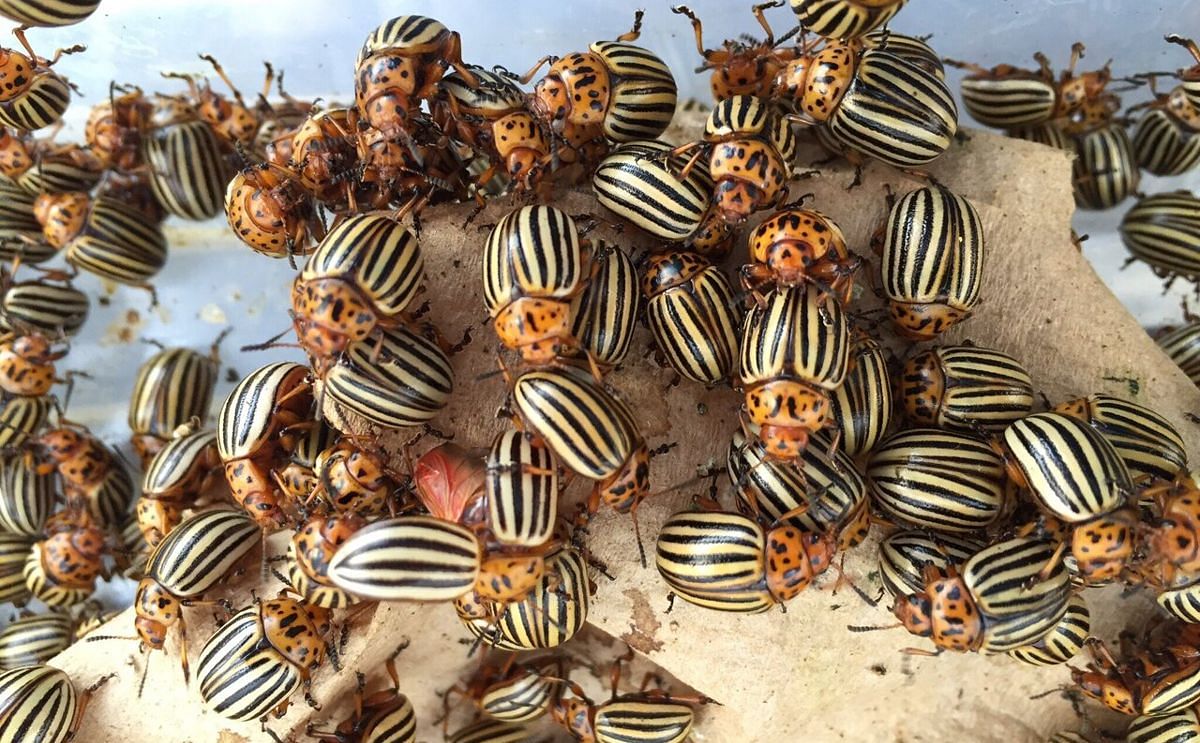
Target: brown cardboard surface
<point>777,675</point>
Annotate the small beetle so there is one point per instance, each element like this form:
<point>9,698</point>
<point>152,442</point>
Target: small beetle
<point>862,406</point>
<point>41,699</point>
<point>522,489</point>
<point>324,158</point>
<point>49,14</point>
<point>34,639</point>
<point>647,186</point>
<point>931,262</point>
<point>93,476</point>
<point>53,309</point>
<point>61,169</point>
<point>62,569</point>
<point>999,602</point>
<point>1064,641</point>
<point>875,102</point>
<point>26,497</point>
<point>1161,230</point>
<point>794,353</point>
<point>726,561</point>
<point>33,95</point>
<point>904,554</point>
<point>1190,77</point>
<point>630,93</point>
<point>1147,442</point>
<point>116,125</point>
<point>1179,727</point>
<point>250,435</point>
<point>355,479</point>
<point>938,480</point>
<point>269,211</point>
<point>794,246</point>
<point>300,476</point>
<point>965,388</point>
<point>1106,171</point>
<point>1153,682</point>
<point>691,310</point>
<point>255,661</point>
<point>187,167</point>
<point>743,67</point>
<point>385,716</point>
<point>309,554</point>
<point>511,691</point>
<point>14,551</point>
<point>20,233</point>
<point>175,477</point>
<point>1181,603</point>
<point>171,388</point>
<point>27,364</point>
<point>1166,141</point>
<point>844,19</point>
<point>105,237</point>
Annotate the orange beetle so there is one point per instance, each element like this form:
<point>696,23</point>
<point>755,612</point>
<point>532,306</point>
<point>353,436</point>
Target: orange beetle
<point>269,211</point>
<point>27,364</point>
<point>742,68</point>
<point>797,245</point>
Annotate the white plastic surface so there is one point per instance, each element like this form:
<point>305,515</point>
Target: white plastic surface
<point>211,281</point>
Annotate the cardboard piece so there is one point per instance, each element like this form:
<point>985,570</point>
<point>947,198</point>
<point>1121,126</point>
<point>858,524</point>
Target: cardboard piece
<point>778,674</point>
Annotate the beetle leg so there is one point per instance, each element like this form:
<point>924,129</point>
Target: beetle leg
<point>636,31</point>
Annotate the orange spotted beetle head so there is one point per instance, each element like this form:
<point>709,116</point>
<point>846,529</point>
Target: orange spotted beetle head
<point>16,73</point>
<point>924,385</point>
<point>795,557</point>
<point>1112,692</point>
<point>913,611</point>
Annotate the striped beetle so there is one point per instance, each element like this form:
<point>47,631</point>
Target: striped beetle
<point>615,90</point>
<point>797,245</point>
<point>300,476</point>
<point>1190,78</point>
<point>250,435</point>
<point>690,307</point>
<point>61,570</point>
<point>932,261</point>
<point>548,617</point>
<point>270,212</point>
<point>385,716</point>
<point>522,489</point>
<point>187,168</point>
<point>647,186</point>
<point>904,554</point>
<point>14,551</point>
<point>862,406</point>
<point>51,308</point>
<point>1165,141</point>
<point>43,700</point>
<point>1182,344</point>
<point>1152,682</point>
<point>1181,603</point>
<point>1000,601</point>
<point>844,19</point>
<point>1064,641</point>
<point>938,480</point>
<point>103,236</point>
<point>309,553</point>
<point>822,493</point>
<point>254,662</point>
<point>21,418</point>
<point>61,169</point>
<point>491,731</point>
<point>36,96</point>
<point>604,314</point>
<point>363,275</point>
<point>171,388</point>
<point>1076,476</point>
<point>34,639</point>
<point>534,265</point>
<point>26,497</point>
<point>92,474</point>
<point>745,66</point>
<point>20,233</point>
<point>856,94</point>
<point>750,148</point>
<point>794,353</point>
<point>1147,442</point>
<point>511,691</point>
<point>726,561</point>
<point>1161,230</point>
<point>1179,727</point>
<point>965,388</point>
<point>175,477</point>
<point>1105,171</point>
<point>48,13</point>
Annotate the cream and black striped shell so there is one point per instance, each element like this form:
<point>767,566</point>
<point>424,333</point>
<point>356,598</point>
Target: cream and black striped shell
<point>1163,230</point>
<point>48,13</point>
<point>633,718</point>
<point>522,489</point>
<point>589,430</point>
<point>42,588</point>
<point>246,420</point>
<point>533,251</point>
<point>691,310</point>
<point>171,387</point>
<point>58,174</point>
<point>26,497</point>
<point>903,556</point>
<point>843,19</point>
<point>798,333</point>
<point>636,183</point>
<point>605,314</point>
<point>939,480</point>
<point>495,96</point>
<point>1163,146</point>
<point>1018,605</point>
<point>118,243</point>
<point>407,558</point>
<point>241,676</point>
<point>750,117</point>
<point>406,34</point>
<point>895,111</point>
<point>379,256</point>
<point>20,232</point>
<point>41,105</point>
<point>188,172</point>
<point>1182,344</point>
<point>312,592</point>
<point>1105,171</point>
<point>523,696</point>
<point>716,560</point>
<point>109,501</point>
<point>1064,641</point>
<point>1072,471</point>
<point>862,405</point>
<point>27,641</point>
<point>933,253</point>
<point>14,551</point>
<point>1147,442</point>
<point>20,418</point>
<point>395,379</point>
<point>965,388</point>
<point>201,551</point>
<point>492,731</point>
<point>176,464</point>
<point>642,96</point>
<point>1177,727</point>
<point>38,701</point>
<point>1009,101</point>
<point>912,48</point>
<point>1181,603</point>
<point>49,308</point>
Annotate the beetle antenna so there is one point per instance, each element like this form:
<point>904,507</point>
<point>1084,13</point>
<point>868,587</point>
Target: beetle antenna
<point>872,627</point>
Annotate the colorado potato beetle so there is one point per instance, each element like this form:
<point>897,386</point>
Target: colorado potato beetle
<point>34,96</point>
<point>691,311</point>
<point>1161,230</point>
<point>844,19</point>
<point>862,406</point>
<point>171,388</point>
<point>51,14</point>
<point>745,66</point>
<point>43,699</point>
<point>965,388</point>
